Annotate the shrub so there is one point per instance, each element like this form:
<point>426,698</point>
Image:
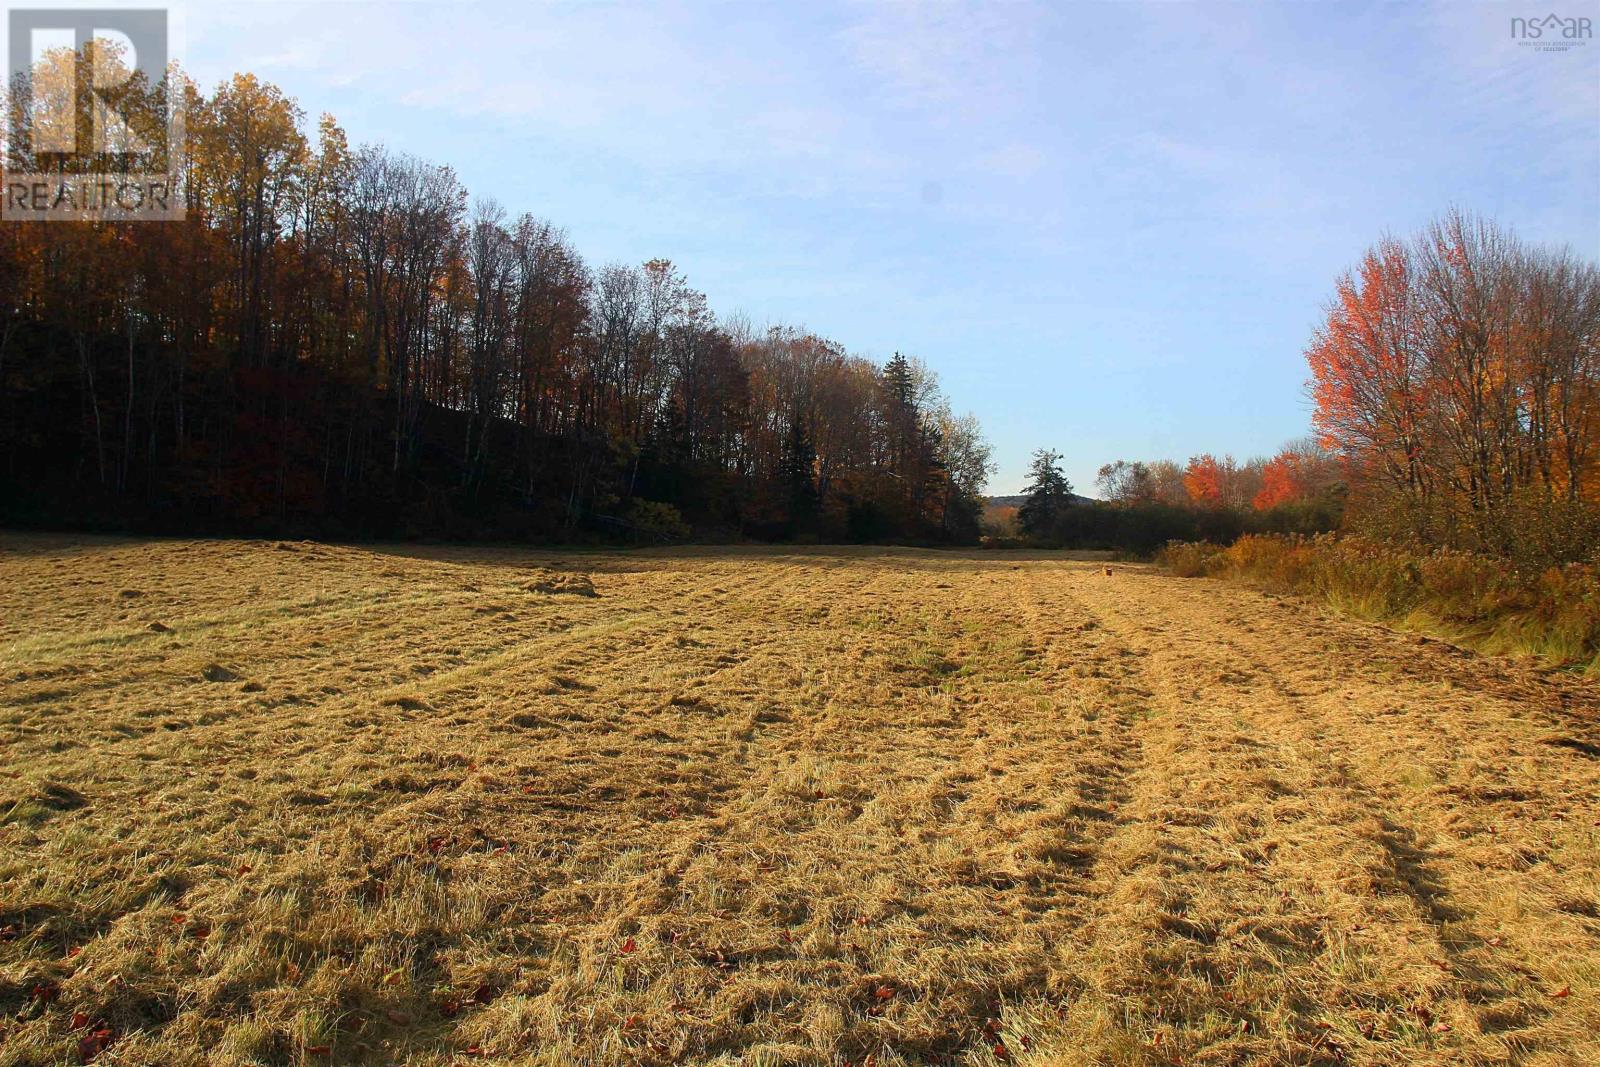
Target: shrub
<point>652,520</point>
<point>1190,559</point>
<point>1552,613</point>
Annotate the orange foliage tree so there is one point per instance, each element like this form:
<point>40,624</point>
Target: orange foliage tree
<point>1457,377</point>
<point>1203,478</point>
<point>1298,473</point>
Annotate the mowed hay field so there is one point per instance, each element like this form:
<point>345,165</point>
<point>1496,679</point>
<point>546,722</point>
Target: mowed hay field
<point>305,804</point>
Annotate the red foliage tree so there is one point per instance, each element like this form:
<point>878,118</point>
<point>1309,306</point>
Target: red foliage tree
<point>1202,478</point>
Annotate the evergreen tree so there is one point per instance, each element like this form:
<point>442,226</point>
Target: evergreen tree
<point>900,411</point>
<point>1048,495</point>
<point>799,473</point>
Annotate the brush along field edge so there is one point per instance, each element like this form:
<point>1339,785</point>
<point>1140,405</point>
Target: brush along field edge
<point>312,804</point>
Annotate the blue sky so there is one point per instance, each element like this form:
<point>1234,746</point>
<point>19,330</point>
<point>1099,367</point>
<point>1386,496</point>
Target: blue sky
<point>1109,227</point>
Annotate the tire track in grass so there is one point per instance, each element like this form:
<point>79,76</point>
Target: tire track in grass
<point>1485,823</point>
<point>1408,982</point>
<point>1064,735</point>
<point>973,855</point>
<point>1222,921</point>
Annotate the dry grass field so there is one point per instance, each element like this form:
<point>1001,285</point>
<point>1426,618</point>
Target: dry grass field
<point>302,804</point>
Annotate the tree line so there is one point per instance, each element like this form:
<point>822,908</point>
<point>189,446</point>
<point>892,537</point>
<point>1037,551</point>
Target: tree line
<point>1455,379</point>
<point>339,340</point>
<point>1143,505</point>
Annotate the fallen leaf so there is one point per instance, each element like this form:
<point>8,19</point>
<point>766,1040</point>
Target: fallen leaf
<point>92,1044</point>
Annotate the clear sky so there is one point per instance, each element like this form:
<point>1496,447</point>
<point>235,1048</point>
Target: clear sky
<point>1108,227</point>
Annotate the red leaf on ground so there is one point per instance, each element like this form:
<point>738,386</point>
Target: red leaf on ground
<point>1564,991</point>
<point>92,1044</point>
<point>629,945</point>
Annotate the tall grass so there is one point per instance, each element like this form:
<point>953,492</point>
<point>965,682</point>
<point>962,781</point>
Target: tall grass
<point>1478,601</point>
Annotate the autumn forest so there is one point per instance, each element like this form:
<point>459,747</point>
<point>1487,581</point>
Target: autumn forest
<point>340,341</point>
